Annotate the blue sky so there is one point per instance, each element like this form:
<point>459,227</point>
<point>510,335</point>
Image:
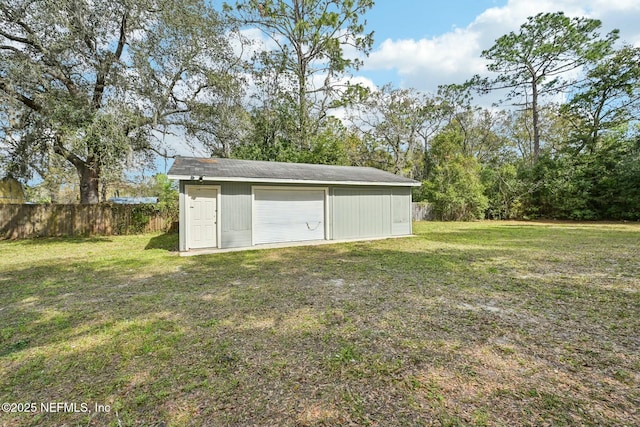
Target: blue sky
<point>422,44</point>
<point>398,19</point>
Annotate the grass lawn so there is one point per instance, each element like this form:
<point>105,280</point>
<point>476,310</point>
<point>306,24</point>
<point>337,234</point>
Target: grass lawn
<point>485,323</point>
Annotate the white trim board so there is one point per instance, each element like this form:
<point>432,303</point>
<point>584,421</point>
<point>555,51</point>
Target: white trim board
<point>291,181</point>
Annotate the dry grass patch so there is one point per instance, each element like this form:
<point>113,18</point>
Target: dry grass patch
<point>489,323</point>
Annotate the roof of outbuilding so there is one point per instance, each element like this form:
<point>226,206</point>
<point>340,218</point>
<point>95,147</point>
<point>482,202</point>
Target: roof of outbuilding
<point>215,169</point>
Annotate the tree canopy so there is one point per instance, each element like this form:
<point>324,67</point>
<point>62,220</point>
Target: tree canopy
<point>87,87</point>
<point>96,82</point>
<point>538,60</point>
<point>302,76</point>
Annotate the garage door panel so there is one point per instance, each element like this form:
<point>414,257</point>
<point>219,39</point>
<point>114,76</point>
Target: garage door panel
<point>288,215</point>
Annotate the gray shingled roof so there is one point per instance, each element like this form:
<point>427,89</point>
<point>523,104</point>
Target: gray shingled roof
<point>191,168</point>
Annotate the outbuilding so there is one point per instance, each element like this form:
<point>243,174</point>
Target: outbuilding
<point>229,203</point>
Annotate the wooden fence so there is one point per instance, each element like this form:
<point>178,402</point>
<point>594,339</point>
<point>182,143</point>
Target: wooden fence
<point>422,211</point>
<point>28,221</point>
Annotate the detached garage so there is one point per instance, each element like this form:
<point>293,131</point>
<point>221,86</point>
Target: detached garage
<point>228,203</point>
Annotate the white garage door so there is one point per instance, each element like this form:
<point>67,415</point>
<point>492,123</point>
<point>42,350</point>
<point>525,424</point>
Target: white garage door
<point>287,215</point>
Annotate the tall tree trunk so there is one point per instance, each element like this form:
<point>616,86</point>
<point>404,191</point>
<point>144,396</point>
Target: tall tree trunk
<point>103,191</point>
<point>89,185</point>
<point>88,173</point>
<point>299,34</point>
<point>303,106</point>
<point>536,125</point>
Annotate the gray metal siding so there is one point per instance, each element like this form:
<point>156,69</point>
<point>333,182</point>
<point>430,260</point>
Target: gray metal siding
<point>361,212</point>
<point>236,215</point>
<point>401,211</point>
<point>344,214</point>
<point>354,212</point>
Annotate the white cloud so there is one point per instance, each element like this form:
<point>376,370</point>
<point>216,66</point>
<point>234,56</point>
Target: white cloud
<point>420,63</point>
<point>454,57</point>
<point>362,81</point>
<point>253,41</point>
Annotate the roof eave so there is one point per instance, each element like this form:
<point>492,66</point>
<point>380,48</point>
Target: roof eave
<point>292,181</point>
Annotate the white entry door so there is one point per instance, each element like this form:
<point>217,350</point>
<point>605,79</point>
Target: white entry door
<point>288,215</point>
<point>202,211</point>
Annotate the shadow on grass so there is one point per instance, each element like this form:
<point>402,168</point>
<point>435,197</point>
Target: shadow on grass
<point>168,241</point>
<point>66,239</point>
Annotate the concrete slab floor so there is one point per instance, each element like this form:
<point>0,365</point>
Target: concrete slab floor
<point>209,251</point>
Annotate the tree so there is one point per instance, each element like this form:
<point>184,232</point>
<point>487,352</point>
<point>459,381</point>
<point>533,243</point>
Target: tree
<point>538,61</point>
<point>267,144</point>
<point>505,190</point>
<point>514,128</point>
<point>608,98</point>
<point>309,60</point>
<point>476,125</point>
<point>398,122</point>
<point>392,118</point>
<point>94,81</point>
<point>454,186</point>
